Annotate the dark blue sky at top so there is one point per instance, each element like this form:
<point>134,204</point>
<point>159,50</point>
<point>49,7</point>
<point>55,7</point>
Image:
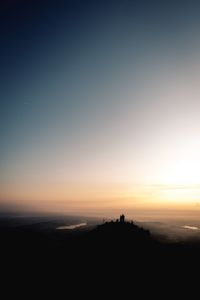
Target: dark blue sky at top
<point>56,55</point>
<point>29,29</point>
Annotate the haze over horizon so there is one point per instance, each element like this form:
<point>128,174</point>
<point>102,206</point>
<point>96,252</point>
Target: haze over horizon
<point>100,105</point>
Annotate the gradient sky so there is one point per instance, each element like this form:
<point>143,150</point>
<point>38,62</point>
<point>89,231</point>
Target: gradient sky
<point>100,105</point>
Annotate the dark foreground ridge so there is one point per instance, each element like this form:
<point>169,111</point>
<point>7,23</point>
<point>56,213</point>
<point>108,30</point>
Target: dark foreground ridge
<point>122,251</point>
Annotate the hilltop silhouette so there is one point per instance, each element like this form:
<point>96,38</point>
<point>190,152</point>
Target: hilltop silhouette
<point>121,233</point>
<point>118,252</point>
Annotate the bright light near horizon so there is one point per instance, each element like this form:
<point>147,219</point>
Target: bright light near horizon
<point>181,181</point>
<point>184,172</point>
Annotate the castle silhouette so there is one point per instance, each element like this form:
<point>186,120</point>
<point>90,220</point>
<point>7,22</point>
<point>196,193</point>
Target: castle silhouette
<point>122,218</point>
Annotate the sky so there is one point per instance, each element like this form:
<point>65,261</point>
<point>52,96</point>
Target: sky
<point>100,105</point>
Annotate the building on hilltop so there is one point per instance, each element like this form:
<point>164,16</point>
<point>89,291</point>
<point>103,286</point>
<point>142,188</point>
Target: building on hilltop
<point>122,219</point>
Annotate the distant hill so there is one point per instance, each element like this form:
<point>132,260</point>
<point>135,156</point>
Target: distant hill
<point>125,234</point>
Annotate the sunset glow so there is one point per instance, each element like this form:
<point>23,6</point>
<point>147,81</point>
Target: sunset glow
<point>102,114</point>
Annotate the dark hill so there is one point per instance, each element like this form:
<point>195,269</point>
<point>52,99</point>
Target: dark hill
<point>113,255</point>
<point>122,235</point>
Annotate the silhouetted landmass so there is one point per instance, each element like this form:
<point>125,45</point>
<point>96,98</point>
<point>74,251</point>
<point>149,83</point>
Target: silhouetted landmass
<point>122,236</point>
<point>115,251</point>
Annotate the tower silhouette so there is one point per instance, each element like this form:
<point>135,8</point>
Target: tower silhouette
<point>122,219</point>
